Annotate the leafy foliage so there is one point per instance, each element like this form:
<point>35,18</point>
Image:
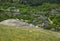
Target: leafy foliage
<point>46,15</point>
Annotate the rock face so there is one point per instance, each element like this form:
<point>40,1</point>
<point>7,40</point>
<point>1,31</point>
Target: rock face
<point>16,22</point>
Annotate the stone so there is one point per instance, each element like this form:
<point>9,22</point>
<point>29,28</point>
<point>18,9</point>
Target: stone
<point>16,22</point>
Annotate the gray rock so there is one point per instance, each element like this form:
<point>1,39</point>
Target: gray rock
<point>18,23</point>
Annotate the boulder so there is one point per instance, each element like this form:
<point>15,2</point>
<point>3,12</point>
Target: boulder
<point>15,22</point>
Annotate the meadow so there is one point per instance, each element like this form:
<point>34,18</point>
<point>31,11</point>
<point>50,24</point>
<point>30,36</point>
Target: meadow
<point>11,33</point>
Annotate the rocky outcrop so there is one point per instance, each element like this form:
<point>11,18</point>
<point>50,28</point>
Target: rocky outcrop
<point>17,22</point>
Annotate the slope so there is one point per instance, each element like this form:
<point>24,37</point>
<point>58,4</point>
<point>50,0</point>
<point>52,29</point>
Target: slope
<point>10,33</point>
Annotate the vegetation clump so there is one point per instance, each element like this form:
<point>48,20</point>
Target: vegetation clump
<point>43,13</point>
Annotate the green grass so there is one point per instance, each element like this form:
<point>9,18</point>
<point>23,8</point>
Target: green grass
<point>9,33</point>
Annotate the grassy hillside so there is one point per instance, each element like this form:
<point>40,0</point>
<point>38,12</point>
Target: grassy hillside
<point>9,33</point>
